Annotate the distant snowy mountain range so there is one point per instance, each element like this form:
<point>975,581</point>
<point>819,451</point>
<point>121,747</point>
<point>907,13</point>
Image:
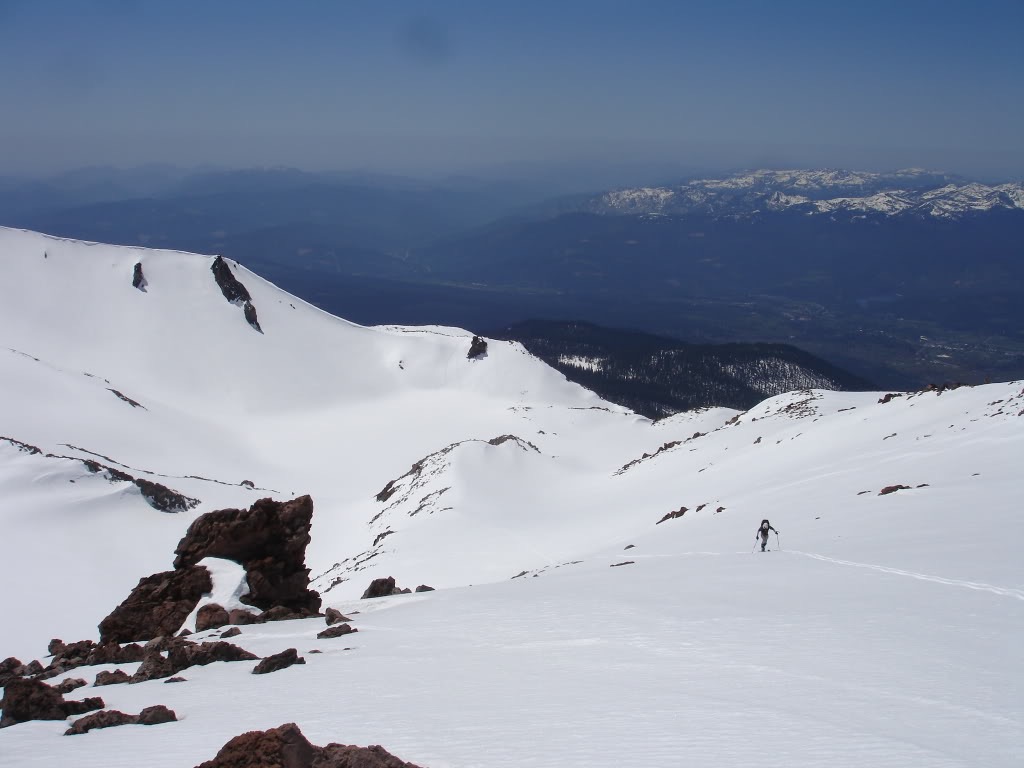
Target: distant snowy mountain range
<point>906,192</point>
<point>594,570</point>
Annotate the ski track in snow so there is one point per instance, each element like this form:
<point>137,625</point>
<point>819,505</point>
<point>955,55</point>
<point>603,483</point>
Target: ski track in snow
<point>977,585</point>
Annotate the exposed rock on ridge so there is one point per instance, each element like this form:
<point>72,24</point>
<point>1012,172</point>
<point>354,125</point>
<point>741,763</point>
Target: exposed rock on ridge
<point>477,348</point>
<point>158,496</point>
<point>234,291</point>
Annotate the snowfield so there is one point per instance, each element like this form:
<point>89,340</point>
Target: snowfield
<point>569,627</point>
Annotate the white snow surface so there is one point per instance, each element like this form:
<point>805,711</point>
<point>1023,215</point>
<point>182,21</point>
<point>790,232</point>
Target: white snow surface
<point>229,586</point>
<point>881,630</point>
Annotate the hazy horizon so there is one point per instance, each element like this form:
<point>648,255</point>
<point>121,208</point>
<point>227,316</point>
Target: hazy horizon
<point>446,88</point>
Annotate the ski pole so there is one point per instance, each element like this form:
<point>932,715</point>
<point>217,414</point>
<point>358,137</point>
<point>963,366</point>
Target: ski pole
<point>777,540</point>
<point>754,547</point>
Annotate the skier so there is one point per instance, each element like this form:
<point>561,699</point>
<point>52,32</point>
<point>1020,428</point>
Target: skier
<point>762,531</point>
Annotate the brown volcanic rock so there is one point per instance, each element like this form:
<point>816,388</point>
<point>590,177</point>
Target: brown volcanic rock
<point>892,489</point>
<point>334,616</point>
<point>155,715</point>
<point>154,667</point>
<point>269,540</point>
<point>68,685</point>
<point>30,700</point>
<point>112,653</point>
<point>282,747</point>
<point>380,588</point>
<point>67,656</point>
<point>182,654</point>
<point>10,669</point>
<point>336,630</point>
<point>211,616</point>
<point>87,653</point>
<point>278,661</point>
<point>286,747</point>
<point>157,606</point>
<point>112,678</point>
<point>107,718</point>
<point>26,700</point>
<point>345,756</point>
<point>110,718</point>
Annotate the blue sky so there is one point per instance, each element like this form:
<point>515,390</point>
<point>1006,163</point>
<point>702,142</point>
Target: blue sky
<point>431,87</point>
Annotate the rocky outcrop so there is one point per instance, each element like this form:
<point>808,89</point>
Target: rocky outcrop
<point>70,684</point>
<point>477,348</point>
<point>423,588</point>
<point>138,279</point>
<point>211,616</point>
<point>175,654</point>
<point>67,656</point>
<point>249,313</point>
<point>10,669</point>
<point>269,540</point>
<point>234,291</point>
<point>163,498</point>
<point>158,496</point>
<point>110,718</point>
<point>26,700</point>
<point>334,616</point>
<point>157,606</point>
<point>286,747</point>
<point>673,515</point>
<point>32,669</point>
<point>892,489</point>
<point>116,677</point>
<point>229,285</point>
<point>155,715</point>
<point>278,661</point>
<point>383,588</point>
<point>338,630</point>
<point>281,613</point>
<point>233,632</point>
<point>241,616</point>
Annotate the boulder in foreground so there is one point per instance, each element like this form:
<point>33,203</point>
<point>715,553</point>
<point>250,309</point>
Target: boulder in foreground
<point>286,747</point>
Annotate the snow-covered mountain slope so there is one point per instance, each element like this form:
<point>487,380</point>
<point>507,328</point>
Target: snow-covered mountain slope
<point>310,404</point>
<point>909,192</point>
<point>614,588</point>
